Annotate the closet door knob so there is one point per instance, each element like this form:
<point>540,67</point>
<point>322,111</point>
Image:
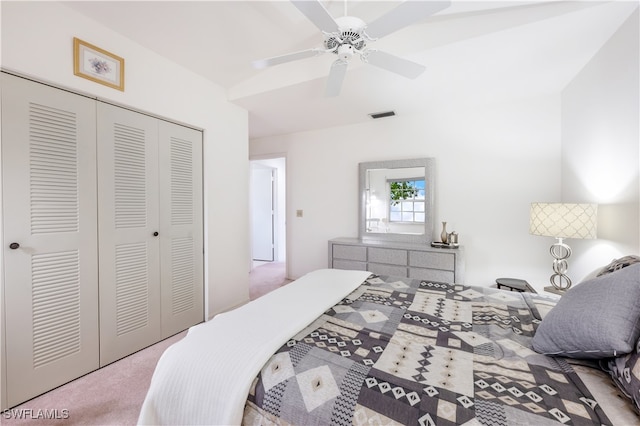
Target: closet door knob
<point>14,246</point>
<point>155,234</point>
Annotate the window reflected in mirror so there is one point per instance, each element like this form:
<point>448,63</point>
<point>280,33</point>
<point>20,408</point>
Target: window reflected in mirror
<point>406,204</point>
<point>397,199</point>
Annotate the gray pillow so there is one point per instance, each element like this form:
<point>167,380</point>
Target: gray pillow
<point>598,318</point>
<point>617,264</point>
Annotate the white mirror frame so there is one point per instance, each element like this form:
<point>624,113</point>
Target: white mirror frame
<point>429,167</point>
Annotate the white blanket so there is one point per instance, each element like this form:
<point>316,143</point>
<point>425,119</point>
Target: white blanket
<point>205,377</point>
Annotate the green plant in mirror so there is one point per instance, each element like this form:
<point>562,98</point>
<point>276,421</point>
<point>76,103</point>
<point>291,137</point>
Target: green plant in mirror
<point>402,191</point>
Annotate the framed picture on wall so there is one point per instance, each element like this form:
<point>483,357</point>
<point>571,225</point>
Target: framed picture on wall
<point>96,64</point>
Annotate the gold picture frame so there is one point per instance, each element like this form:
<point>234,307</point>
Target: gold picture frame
<point>98,65</point>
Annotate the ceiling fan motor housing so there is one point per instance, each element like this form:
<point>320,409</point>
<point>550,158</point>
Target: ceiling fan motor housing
<point>350,31</point>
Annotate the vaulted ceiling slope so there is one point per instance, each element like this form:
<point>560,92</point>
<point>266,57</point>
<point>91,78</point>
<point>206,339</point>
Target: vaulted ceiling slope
<point>474,51</point>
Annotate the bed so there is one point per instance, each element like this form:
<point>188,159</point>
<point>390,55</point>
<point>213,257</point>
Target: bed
<point>348,347</point>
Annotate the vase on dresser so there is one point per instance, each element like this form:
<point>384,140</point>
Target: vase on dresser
<point>443,234</point>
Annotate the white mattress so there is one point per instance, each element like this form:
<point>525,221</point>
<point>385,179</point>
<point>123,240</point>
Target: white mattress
<point>205,377</point>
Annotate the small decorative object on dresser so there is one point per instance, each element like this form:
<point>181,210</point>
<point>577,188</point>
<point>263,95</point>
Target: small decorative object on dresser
<point>438,244</point>
<point>450,242</point>
<point>443,234</point>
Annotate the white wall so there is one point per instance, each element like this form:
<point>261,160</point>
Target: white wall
<point>601,148</point>
<point>492,161</point>
<point>37,41</point>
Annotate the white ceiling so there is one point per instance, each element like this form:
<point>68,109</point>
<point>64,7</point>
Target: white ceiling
<point>474,51</point>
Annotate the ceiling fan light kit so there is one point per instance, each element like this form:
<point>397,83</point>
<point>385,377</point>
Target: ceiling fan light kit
<point>345,52</point>
<point>349,35</point>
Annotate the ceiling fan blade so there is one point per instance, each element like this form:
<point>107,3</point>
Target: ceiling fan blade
<point>267,62</point>
<point>407,13</point>
<point>336,77</point>
<point>316,13</point>
<point>394,63</point>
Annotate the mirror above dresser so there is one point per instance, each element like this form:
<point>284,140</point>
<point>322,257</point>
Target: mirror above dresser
<point>397,200</point>
<point>396,225</point>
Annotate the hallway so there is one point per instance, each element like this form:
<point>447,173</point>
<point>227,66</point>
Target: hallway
<point>266,277</point>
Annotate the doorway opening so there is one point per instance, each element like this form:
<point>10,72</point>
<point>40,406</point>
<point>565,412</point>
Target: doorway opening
<point>268,224</point>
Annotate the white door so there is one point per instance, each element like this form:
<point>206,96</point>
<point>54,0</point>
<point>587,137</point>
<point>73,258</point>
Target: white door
<point>181,233</point>
<point>262,212</point>
<point>129,244</point>
<point>50,237</point>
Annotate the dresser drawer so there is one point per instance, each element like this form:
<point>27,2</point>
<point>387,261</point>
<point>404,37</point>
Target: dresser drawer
<point>349,252</point>
<point>380,269</point>
<point>431,275</point>
<point>349,264</point>
<point>388,256</point>
<point>425,259</point>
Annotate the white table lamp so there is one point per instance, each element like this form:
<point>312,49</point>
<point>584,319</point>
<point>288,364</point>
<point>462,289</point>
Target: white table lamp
<point>563,220</point>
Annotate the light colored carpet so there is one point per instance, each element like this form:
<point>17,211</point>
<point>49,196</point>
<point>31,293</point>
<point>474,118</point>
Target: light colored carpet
<point>114,394</point>
<point>111,395</point>
<point>267,277</point>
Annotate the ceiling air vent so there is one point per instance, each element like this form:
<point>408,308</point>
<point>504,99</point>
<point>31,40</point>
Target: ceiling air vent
<point>382,114</point>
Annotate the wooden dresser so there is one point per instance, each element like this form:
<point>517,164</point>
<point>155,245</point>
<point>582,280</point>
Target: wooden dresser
<point>410,260</point>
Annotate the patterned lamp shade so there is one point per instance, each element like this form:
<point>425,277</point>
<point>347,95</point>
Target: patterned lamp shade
<point>564,220</point>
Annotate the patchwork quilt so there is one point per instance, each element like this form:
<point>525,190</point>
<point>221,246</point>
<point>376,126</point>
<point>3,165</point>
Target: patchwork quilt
<point>421,353</point>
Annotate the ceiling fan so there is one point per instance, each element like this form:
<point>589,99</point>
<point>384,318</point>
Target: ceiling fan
<point>348,36</point>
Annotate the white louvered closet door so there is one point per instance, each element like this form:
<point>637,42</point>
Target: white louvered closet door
<point>181,235</point>
<point>128,248</point>
<point>50,220</point>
